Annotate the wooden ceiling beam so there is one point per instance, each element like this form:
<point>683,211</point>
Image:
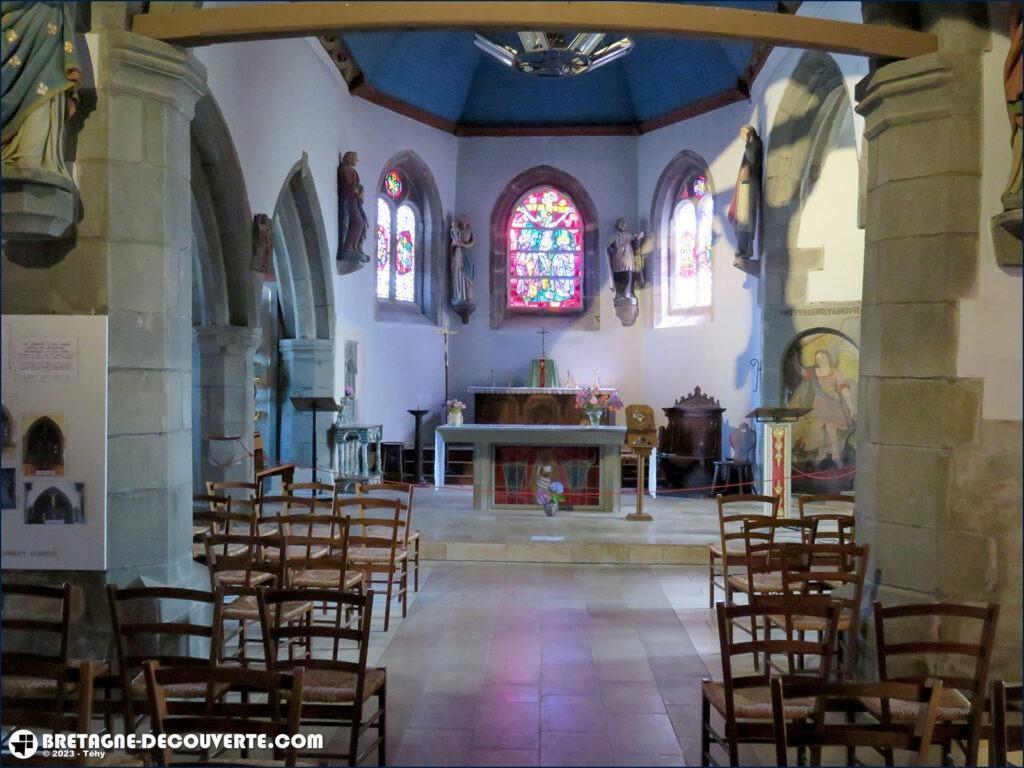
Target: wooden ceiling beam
<point>259,21</point>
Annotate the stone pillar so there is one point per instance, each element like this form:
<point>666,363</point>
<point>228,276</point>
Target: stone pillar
<point>226,394</point>
<point>307,367</point>
<point>938,489</point>
<point>131,261</point>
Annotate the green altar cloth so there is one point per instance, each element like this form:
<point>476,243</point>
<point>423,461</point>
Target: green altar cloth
<point>550,373</point>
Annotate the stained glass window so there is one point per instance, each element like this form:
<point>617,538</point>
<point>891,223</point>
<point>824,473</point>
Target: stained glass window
<point>405,254</point>
<point>545,253</point>
<point>398,225</point>
<point>393,185</point>
<point>691,268</point>
<point>383,249</point>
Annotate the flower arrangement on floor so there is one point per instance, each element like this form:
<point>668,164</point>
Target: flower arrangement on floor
<point>594,401</point>
<point>455,409</point>
<point>551,497</point>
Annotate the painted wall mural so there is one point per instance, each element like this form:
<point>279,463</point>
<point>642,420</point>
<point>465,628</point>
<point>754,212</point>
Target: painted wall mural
<point>820,370</point>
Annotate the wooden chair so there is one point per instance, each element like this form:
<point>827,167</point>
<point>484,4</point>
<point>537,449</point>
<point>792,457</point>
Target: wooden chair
<point>836,521</point>
<point>815,732</point>
<point>236,490</point>
<point>140,635</point>
<point>743,700</point>
<point>238,575</point>
<point>75,717</point>
<point>375,549</point>
<point>820,568</point>
<point>762,572</point>
<point>313,489</point>
<point>268,703</point>
<point>216,515</point>
<point>336,690</point>
<point>737,471</point>
<point>35,644</point>
<point>959,716</point>
<point>730,527</point>
<point>1005,737</point>
<point>403,492</point>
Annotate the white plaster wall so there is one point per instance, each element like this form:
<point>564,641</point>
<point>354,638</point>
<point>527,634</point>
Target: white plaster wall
<point>991,320</point>
<point>606,167</point>
<point>283,98</point>
<point>716,355</point>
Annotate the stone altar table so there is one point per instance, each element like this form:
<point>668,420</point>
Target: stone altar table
<point>508,457</point>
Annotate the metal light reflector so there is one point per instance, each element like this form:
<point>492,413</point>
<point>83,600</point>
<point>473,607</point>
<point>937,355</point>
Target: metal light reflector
<point>506,56</point>
<point>547,54</point>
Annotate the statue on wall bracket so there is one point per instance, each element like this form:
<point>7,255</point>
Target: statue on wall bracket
<point>1006,226</point>
<point>39,98</point>
<point>352,221</point>
<point>463,300</point>
<point>746,201</point>
<point>262,248</point>
<point>626,256</point>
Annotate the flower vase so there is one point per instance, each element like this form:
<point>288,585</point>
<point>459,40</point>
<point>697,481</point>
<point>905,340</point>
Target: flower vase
<point>455,418</point>
<point>550,508</point>
<point>594,415</point>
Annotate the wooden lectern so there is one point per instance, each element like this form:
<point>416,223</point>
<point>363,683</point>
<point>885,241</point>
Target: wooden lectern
<point>316,405</point>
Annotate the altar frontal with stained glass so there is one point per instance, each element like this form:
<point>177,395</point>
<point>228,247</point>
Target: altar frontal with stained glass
<point>512,461</point>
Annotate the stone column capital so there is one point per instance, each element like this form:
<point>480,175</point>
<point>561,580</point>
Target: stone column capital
<point>140,66</point>
<point>929,87</point>
<point>311,349</point>
<point>229,340</point>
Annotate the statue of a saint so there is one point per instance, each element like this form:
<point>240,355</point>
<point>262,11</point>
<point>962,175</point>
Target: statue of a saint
<point>352,221</point>
<point>625,254</point>
<point>1013,79</point>
<point>462,270</point>
<point>746,202</point>
<point>40,78</point>
<point>262,247</point>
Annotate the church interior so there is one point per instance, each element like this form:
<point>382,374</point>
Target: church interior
<point>516,383</point>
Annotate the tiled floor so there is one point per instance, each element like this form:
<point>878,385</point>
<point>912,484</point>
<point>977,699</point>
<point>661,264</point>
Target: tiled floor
<point>519,664</point>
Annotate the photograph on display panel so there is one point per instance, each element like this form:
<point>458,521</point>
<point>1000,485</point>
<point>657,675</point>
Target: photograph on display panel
<point>8,489</point>
<point>43,444</point>
<point>54,503</point>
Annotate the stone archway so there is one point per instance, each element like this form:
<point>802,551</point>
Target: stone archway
<point>223,299</point>
<point>302,261</point>
<point>589,319</point>
<point>812,114</point>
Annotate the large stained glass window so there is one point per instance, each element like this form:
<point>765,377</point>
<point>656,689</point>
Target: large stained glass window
<point>690,264</point>
<point>545,253</point>
<point>397,244</point>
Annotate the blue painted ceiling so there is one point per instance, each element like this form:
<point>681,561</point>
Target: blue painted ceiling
<point>443,74</point>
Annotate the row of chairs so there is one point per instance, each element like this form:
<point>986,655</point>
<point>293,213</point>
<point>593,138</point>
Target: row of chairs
<point>802,582</point>
<point>384,548</point>
<point>170,671</point>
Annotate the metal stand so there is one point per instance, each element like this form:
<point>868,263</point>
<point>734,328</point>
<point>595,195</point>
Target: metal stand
<point>418,414</point>
<point>314,404</point>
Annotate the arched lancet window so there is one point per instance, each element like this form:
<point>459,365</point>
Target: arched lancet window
<point>682,215</point>
<point>690,249</point>
<point>399,241</point>
<point>545,253</point>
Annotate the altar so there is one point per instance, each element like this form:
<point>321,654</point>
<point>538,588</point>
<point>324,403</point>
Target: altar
<point>530,405</point>
<point>509,458</point>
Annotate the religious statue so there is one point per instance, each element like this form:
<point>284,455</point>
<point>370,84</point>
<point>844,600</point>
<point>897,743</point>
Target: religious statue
<point>262,247</point>
<point>40,80</point>
<point>352,221</point>
<point>746,201</point>
<point>462,268</point>
<point>627,261</point>
<point>1013,80</point>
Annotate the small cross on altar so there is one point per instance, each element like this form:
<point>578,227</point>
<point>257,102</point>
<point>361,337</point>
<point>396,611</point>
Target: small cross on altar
<point>445,331</point>
<point>543,333</point>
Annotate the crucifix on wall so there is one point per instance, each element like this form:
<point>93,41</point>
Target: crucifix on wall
<point>445,331</point>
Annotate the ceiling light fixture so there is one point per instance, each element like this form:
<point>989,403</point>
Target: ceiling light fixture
<point>549,55</point>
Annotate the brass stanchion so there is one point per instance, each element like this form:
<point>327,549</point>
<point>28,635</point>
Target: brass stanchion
<point>643,449</point>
